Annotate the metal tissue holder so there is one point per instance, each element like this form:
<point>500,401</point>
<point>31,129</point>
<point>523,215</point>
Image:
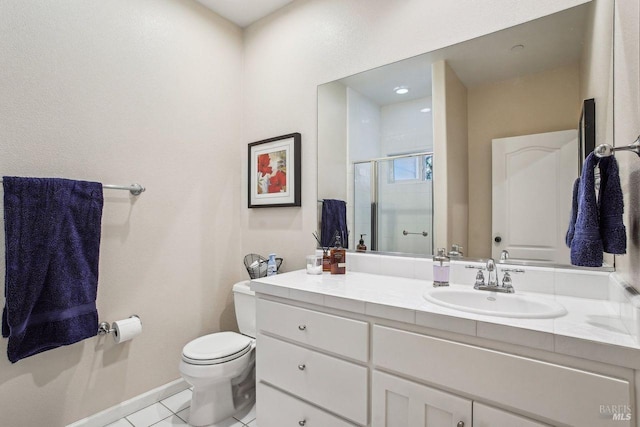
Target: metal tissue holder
<point>105,328</point>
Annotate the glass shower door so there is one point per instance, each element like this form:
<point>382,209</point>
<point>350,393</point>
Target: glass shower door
<point>393,200</point>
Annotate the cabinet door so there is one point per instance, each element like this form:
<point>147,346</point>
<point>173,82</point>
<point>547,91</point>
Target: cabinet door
<point>486,416</point>
<point>397,402</point>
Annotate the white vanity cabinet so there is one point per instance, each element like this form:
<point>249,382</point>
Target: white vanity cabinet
<point>310,358</point>
<point>319,366</point>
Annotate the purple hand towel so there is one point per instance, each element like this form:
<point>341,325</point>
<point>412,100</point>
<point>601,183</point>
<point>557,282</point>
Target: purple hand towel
<point>586,246</point>
<point>52,237</point>
<point>334,218</point>
<point>574,213</point>
<point>611,206</point>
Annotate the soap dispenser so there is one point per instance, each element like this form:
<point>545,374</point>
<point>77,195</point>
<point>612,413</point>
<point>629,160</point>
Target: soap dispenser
<point>441,268</point>
<point>272,267</point>
<point>361,246</point>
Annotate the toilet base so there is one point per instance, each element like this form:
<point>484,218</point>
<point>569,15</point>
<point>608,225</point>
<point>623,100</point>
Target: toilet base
<point>216,399</point>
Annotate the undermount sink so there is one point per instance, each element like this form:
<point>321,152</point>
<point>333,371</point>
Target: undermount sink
<point>495,304</point>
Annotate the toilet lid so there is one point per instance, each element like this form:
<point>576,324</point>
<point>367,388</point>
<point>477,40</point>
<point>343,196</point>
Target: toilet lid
<point>216,348</point>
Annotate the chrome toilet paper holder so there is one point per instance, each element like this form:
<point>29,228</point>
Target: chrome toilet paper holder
<point>105,328</point>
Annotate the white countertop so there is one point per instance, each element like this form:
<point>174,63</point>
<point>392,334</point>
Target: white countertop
<point>592,328</point>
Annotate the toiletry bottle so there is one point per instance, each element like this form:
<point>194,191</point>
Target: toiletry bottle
<point>326,260</point>
<point>272,268</point>
<point>361,246</point>
<point>441,268</point>
<point>338,258</point>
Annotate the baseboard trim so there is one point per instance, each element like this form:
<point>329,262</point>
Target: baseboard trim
<point>132,405</point>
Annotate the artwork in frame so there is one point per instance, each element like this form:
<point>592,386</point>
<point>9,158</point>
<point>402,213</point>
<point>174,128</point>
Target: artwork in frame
<point>274,172</point>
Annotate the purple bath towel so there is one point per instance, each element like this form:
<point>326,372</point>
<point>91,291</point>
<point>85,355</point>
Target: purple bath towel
<point>52,237</point>
<point>611,205</point>
<point>586,246</point>
<point>334,219</point>
<point>574,213</point>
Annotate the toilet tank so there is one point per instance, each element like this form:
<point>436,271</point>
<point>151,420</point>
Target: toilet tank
<point>244,300</point>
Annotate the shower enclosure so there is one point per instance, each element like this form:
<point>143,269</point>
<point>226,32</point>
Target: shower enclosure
<point>393,203</point>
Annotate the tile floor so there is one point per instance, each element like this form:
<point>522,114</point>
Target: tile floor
<point>174,411</point>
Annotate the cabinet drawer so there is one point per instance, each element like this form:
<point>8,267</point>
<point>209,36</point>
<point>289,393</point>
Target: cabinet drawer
<point>336,334</point>
<point>277,409</point>
<point>566,395</point>
<point>329,382</point>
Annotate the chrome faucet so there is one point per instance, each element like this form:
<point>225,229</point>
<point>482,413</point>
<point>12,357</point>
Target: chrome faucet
<point>492,280</point>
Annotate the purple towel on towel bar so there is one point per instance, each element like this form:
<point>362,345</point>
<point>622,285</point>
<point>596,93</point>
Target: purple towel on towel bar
<point>334,219</point>
<point>586,245</point>
<point>611,206</point>
<point>52,237</point>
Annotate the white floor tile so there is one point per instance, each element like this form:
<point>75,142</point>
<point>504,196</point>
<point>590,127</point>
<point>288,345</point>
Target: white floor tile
<point>172,421</point>
<point>247,415</point>
<point>253,423</point>
<point>120,423</point>
<point>149,415</point>
<point>184,414</point>
<point>178,401</point>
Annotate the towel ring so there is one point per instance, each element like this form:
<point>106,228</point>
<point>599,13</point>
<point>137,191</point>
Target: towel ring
<point>606,150</point>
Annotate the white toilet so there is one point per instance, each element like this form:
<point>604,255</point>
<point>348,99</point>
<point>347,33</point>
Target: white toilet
<point>221,366</point>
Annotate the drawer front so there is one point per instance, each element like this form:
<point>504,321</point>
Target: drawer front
<point>559,393</point>
<point>277,409</point>
<point>329,382</point>
<point>346,337</point>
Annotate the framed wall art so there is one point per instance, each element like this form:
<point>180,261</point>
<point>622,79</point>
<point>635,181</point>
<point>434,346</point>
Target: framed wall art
<point>274,172</point>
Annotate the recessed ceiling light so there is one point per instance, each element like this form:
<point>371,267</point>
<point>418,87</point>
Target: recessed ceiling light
<point>425,110</point>
<point>401,90</point>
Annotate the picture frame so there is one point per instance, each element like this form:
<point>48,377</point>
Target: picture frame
<point>274,172</point>
<point>586,131</point>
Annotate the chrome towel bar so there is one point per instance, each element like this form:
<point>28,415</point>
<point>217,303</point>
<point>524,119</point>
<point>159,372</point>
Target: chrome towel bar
<point>424,233</point>
<point>606,150</point>
<point>135,189</point>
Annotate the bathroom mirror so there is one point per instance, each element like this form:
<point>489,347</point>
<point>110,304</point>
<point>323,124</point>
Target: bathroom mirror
<point>421,150</point>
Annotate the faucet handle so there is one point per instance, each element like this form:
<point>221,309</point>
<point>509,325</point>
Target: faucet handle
<point>507,283</point>
<point>479,280</point>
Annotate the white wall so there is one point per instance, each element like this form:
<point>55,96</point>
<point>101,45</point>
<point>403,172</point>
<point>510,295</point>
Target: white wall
<point>127,91</point>
<point>307,43</point>
<point>405,128</point>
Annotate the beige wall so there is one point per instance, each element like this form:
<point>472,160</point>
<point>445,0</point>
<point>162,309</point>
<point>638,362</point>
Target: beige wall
<point>450,158</point>
<point>127,91</point>
<point>537,103</point>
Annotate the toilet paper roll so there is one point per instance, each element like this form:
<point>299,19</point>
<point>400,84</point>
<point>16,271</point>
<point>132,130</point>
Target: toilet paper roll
<point>126,329</point>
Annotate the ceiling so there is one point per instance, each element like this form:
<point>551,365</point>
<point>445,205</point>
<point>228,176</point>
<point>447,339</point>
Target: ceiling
<point>244,12</point>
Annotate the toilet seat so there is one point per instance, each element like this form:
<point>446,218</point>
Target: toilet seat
<point>214,349</point>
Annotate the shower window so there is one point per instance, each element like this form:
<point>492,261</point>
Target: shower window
<point>411,169</point>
